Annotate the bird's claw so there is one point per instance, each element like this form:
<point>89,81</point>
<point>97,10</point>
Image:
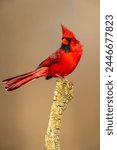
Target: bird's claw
<point>62,78</point>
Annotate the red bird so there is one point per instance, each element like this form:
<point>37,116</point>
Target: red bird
<point>59,64</point>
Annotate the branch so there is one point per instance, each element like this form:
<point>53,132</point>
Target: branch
<point>63,94</point>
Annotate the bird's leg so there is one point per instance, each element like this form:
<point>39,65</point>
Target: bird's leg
<point>62,78</point>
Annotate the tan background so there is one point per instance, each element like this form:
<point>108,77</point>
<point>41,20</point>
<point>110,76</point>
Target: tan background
<point>29,31</point>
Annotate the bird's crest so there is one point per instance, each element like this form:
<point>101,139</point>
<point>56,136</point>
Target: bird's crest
<point>66,32</point>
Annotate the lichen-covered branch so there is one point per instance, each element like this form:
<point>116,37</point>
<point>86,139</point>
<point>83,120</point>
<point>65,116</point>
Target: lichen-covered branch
<point>62,96</point>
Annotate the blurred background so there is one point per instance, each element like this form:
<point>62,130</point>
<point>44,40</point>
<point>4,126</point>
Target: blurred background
<point>30,30</point>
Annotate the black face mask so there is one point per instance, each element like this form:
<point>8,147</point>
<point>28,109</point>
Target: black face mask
<point>66,47</point>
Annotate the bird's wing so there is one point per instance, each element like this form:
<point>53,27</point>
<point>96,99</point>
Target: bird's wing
<point>52,59</point>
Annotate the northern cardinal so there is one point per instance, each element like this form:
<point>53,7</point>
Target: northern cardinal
<point>59,64</point>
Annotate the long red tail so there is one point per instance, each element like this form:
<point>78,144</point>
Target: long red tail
<point>17,81</point>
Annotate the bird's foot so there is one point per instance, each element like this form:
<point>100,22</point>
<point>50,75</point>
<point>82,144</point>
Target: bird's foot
<point>62,78</point>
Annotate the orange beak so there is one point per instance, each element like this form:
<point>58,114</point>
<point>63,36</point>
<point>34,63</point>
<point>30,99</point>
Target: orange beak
<point>64,41</point>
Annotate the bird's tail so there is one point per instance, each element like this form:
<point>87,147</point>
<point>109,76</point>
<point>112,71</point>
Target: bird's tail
<point>17,81</point>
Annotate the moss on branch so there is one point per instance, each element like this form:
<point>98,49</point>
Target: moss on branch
<point>63,94</point>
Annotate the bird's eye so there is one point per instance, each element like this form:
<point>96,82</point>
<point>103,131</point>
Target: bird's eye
<point>64,41</point>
